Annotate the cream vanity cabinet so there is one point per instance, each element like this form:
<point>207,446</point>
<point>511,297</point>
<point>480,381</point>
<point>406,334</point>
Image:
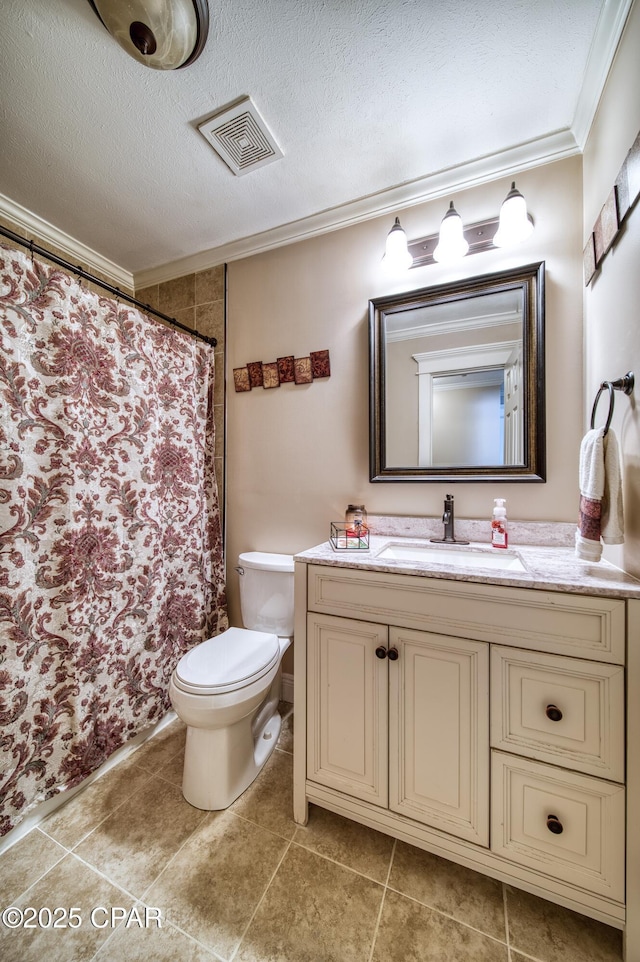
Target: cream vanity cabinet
<point>387,710</point>
<point>481,722</point>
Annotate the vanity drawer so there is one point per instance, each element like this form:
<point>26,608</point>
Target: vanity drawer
<point>560,710</point>
<point>565,825</point>
<point>558,622</point>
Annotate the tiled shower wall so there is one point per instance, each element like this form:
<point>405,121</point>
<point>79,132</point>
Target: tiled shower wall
<point>197,301</point>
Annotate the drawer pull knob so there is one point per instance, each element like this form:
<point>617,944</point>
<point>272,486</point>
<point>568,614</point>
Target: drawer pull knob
<point>553,713</point>
<point>392,654</point>
<point>554,825</point>
<point>381,652</point>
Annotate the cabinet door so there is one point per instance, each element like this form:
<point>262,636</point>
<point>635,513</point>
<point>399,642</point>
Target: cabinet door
<point>439,732</point>
<point>347,702</point>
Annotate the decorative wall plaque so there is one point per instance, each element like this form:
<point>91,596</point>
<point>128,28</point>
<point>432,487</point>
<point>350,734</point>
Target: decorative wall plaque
<point>287,369</point>
<point>302,370</point>
<point>255,373</point>
<point>621,199</point>
<point>270,376</point>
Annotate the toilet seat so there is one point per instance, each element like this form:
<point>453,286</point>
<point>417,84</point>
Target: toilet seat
<point>230,661</point>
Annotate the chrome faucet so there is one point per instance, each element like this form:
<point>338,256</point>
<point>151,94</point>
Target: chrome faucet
<point>448,519</point>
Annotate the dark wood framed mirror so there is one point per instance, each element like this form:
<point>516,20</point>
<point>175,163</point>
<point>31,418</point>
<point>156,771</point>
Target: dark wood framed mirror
<point>457,382</point>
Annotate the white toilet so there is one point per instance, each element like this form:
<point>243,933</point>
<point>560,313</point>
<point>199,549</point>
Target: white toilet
<point>226,690</point>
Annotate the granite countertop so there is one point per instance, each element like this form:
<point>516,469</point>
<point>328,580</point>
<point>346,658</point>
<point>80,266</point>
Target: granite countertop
<point>552,567</point>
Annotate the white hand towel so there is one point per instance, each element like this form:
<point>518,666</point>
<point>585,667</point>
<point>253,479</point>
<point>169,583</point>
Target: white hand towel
<point>591,473</point>
<point>600,495</point>
<point>612,517</point>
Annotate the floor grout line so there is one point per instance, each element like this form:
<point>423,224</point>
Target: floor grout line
<point>107,940</point>
<point>52,838</point>
<point>215,956</point>
<point>175,855</point>
<point>65,852</point>
<point>97,824</point>
<point>445,915</point>
<point>169,782</point>
<point>506,921</point>
<point>262,898</point>
<point>377,925</point>
<point>106,877</point>
<point>38,828</point>
<point>166,762</point>
<point>334,861</point>
<point>387,887</point>
<point>142,900</point>
<point>272,831</point>
<point>391,860</point>
<point>165,922</point>
<point>529,958</point>
<point>382,900</point>
<point>385,884</point>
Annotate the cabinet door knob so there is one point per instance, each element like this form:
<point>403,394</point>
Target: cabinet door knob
<point>381,652</point>
<point>554,825</point>
<point>392,654</point>
<point>553,713</point>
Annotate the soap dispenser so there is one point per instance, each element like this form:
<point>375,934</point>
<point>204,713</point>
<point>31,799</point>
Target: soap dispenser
<point>499,536</point>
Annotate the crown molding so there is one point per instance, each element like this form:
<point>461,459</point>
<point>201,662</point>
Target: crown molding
<point>545,150</point>
<point>536,153</point>
<point>603,50</point>
<point>482,170</point>
<point>46,234</point>
<point>510,162</point>
<point>448,327</point>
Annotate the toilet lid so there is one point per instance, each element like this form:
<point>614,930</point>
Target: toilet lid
<point>266,561</point>
<point>230,661</point>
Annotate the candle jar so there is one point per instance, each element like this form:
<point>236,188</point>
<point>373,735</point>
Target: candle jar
<point>356,520</point>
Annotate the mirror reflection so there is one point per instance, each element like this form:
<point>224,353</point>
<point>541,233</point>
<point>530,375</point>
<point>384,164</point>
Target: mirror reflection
<point>457,380</point>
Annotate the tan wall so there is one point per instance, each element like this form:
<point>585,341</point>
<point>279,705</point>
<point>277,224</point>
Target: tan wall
<point>198,302</point>
<point>612,301</point>
<point>297,455</point>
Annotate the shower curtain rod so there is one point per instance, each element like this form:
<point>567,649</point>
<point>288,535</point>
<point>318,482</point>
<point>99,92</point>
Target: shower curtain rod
<point>85,275</point>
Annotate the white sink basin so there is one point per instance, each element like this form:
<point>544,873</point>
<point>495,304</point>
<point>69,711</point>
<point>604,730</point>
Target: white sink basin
<point>459,557</point>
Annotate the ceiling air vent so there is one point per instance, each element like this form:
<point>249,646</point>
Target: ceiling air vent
<point>241,137</point>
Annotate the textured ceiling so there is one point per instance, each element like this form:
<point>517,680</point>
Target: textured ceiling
<point>363,96</point>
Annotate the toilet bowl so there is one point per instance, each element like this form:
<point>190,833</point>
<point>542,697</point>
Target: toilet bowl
<point>226,689</point>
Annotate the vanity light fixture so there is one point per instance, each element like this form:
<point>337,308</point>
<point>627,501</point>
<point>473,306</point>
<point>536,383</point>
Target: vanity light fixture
<point>452,245</point>
<point>396,255</point>
<point>515,223</point>
<point>454,241</point>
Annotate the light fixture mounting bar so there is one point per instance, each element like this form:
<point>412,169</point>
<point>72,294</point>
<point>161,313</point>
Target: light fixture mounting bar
<point>479,237</point>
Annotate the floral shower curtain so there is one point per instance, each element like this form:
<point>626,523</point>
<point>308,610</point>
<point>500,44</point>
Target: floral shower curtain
<point>111,560</point>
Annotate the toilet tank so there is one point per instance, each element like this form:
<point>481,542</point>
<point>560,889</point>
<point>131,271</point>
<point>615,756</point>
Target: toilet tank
<point>266,592</point>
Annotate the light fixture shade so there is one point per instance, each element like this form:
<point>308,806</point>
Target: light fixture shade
<point>163,34</point>
<point>452,245</point>
<point>515,224</point>
<point>396,255</point>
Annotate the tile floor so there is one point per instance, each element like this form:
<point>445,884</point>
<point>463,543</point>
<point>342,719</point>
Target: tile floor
<point>249,885</point>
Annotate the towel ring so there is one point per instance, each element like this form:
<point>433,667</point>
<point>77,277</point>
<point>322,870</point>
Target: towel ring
<point>621,384</point>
